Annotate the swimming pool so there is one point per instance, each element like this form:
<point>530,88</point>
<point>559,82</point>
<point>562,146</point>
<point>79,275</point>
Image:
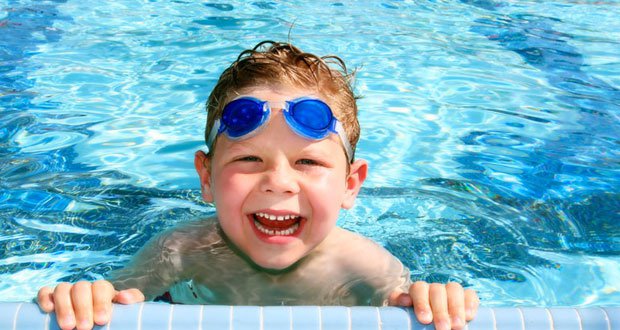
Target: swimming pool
<point>491,128</point>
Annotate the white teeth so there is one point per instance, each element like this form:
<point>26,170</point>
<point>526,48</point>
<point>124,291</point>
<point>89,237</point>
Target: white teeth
<point>271,232</point>
<point>276,218</point>
<point>276,232</point>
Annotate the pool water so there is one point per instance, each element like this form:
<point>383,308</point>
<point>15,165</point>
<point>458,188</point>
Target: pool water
<point>492,129</point>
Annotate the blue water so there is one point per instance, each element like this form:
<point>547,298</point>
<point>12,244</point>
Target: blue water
<point>492,129</point>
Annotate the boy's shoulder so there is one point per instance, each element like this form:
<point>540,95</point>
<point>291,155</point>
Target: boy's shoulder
<point>189,236</point>
<point>353,240</point>
<point>358,252</point>
<point>359,257</point>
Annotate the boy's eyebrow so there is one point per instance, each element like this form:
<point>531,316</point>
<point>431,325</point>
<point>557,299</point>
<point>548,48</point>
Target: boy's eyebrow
<point>315,145</point>
<point>241,144</point>
<point>310,146</point>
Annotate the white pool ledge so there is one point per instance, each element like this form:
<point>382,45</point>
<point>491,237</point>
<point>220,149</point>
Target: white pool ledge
<point>154,316</point>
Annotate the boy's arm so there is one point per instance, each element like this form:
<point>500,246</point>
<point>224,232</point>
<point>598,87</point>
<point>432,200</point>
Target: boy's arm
<point>449,306</point>
<point>152,270</point>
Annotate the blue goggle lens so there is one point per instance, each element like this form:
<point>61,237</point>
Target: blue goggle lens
<point>243,116</point>
<point>311,118</point>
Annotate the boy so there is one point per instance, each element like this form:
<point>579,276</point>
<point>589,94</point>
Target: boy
<point>281,129</point>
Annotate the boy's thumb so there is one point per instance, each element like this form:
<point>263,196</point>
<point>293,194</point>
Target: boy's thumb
<point>129,296</point>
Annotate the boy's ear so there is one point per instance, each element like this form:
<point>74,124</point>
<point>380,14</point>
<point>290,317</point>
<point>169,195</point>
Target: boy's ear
<point>202,163</point>
<point>357,175</point>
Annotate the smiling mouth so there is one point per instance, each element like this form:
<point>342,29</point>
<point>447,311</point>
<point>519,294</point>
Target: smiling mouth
<point>272,225</point>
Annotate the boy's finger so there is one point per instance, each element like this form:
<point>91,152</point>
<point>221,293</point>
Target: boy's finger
<point>129,296</point>
<point>103,294</point>
<point>439,305</point>
<point>456,305</point>
<point>393,298</point>
<point>82,298</point>
<point>471,304</point>
<point>63,306</point>
<point>399,298</point>
<point>45,299</point>
<point>421,305</point>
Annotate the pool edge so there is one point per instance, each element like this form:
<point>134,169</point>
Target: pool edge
<point>22,316</point>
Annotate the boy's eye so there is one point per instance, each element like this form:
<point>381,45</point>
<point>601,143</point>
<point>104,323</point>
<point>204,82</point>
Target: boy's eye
<point>249,159</point>
<point>306,161</point>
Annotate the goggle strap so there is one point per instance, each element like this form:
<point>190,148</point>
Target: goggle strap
<point>215,130</point>
<point>345,140</point>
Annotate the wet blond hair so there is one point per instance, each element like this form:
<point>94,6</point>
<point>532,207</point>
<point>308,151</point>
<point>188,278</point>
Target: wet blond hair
<point>272,63</point>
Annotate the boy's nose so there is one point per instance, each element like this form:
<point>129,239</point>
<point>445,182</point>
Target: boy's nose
<point>280,179</point>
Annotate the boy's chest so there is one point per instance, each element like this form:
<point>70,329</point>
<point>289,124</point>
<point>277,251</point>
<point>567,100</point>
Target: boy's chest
<point>234,282</point>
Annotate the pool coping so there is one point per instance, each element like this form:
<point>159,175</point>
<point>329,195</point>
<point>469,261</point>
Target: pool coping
<point>149,315</point>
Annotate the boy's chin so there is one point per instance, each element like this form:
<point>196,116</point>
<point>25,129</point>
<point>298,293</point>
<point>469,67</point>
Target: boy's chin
<point>276,265</point>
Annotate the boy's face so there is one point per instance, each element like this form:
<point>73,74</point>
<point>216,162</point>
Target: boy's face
<point>278,195</point>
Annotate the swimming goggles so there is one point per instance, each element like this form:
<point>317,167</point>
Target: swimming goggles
<point>308,117</point>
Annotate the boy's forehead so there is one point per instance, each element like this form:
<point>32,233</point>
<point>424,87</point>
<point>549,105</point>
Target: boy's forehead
<point>278,92</point>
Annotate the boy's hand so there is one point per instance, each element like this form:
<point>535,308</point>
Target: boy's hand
<point>84,304</point>
<point>449,306</point>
